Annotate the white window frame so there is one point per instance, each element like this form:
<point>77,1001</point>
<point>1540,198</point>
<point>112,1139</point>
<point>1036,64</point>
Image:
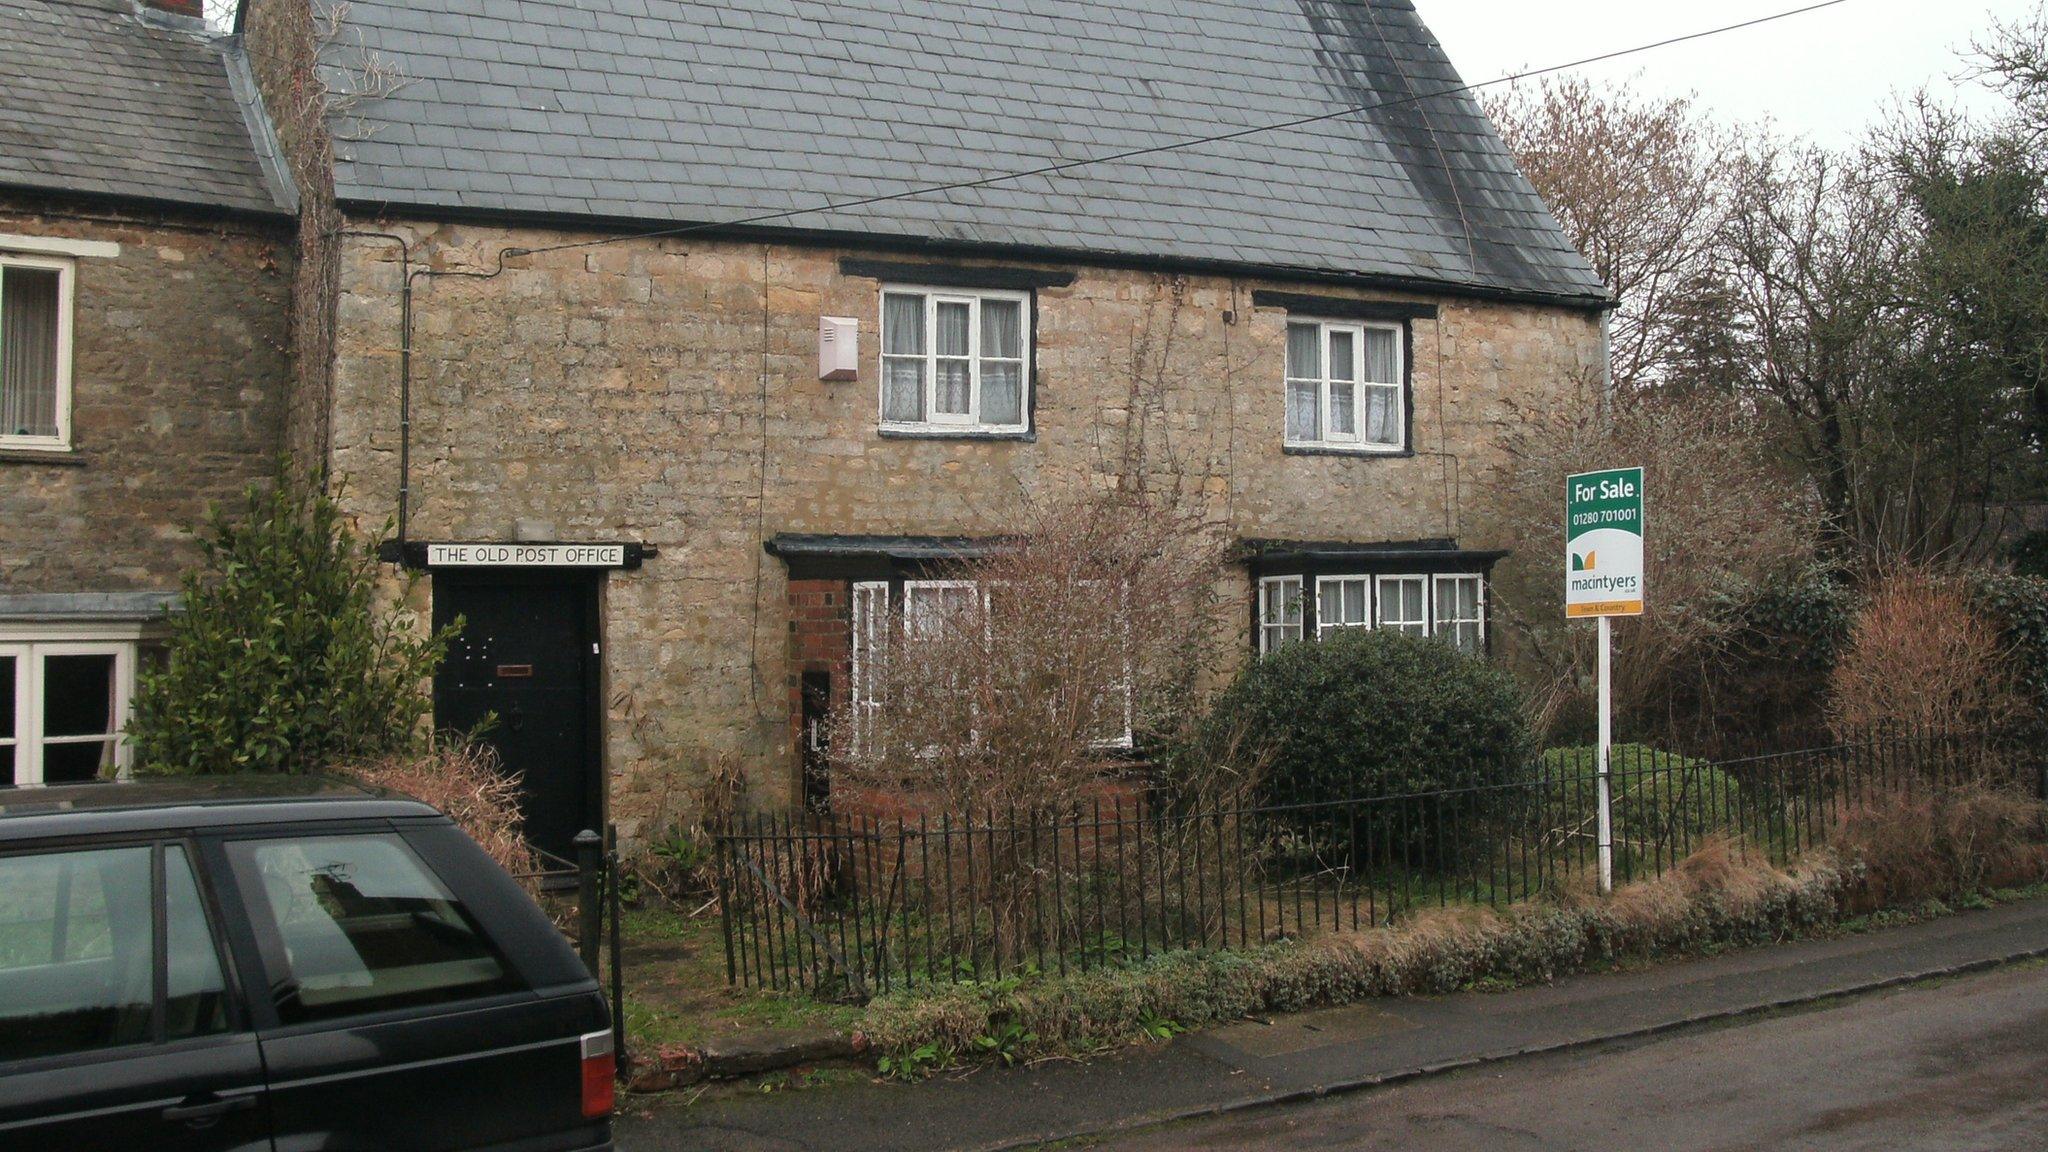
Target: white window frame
<point>1436,583</point>
<point>870,617</point>
<point>26,747</point>
<point>970,423</point>
<point>1379,587</point>
<point>1127,686</point>
<point>912,587</point>
<point>1355,441</point>
<point>66,278</point>
<point>1325,627</point>
<point>1274,630</point>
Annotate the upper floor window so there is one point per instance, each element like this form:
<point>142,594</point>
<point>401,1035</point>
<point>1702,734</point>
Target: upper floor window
<point>1345,386</point>
<point>955,361</point>
<point>35,352</point>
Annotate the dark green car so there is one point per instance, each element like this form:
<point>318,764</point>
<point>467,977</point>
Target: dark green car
<point>286,966</point>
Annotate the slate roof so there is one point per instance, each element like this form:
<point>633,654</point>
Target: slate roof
<point>95,98</point>
<point>663,111</point>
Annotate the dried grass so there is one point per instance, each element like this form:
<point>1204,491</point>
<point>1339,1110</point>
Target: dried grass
<point>466,782</point>
<point>1900,848</point>
<point>1714,898</point>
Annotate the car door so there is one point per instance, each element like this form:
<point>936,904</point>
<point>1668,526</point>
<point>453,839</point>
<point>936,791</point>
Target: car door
<point>401,1025</point>
<point>119,1028</point>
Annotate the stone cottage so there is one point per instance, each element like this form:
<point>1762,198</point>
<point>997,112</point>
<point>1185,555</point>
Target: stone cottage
<point>680,340</point>
<point>146,263</point>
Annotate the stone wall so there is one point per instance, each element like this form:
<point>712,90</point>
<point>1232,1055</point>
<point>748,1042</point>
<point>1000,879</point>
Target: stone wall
<point>177,380</point>
<point>667,392</point>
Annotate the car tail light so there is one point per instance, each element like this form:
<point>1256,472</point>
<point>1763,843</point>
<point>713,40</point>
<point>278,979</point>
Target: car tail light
<point>600,1072</point>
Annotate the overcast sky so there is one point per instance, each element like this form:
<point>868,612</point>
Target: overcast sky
<point>1824,75</point>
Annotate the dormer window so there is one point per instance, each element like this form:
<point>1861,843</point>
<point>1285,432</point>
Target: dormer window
<point>35,352</point>
<point>955,361</point>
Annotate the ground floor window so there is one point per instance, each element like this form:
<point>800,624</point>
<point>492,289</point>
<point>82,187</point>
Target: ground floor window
<point>1461,611</point>
<point>1280,612</point>
<point>63,705</point>
<point>1451,606</point>
<point>886,631</point>
<point>1403,604</point>
<point>1342,602</point>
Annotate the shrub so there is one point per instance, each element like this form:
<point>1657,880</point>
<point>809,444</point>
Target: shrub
<point>1904,846</point>
<point>2017,605</point>
<point>1731,516</point>
<point>2029,554</point>
<point>466,781</point>
<point>1764,682</point>
<point>1367,713</point>
<point>1659,797</point>
<point>283,660</point>
<point>1920,656</point>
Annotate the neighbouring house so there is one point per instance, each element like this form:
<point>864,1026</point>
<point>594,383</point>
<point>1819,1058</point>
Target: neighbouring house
<point>640,322</point>
<point>146,263</point>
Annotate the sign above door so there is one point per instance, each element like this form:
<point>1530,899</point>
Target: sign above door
<point>423,554</point>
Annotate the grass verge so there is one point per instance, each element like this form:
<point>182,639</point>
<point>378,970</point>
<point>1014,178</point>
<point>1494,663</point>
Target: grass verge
<point>676,990</point>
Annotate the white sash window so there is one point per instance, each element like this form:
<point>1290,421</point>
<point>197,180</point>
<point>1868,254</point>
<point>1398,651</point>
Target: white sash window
<point>35,352</point>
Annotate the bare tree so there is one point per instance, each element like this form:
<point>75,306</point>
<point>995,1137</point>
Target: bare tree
<point>1728,514</point>
<point>1015,679</point>
<point>1634,181</point>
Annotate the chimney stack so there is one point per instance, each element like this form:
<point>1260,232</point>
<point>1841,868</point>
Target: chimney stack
<point>196,9</point>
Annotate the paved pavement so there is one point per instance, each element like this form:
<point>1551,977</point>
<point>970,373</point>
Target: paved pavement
<point>1957,1065</point>
<point>1289,1059</point>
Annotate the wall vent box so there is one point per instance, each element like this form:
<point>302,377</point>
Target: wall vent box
<point>838,348</point>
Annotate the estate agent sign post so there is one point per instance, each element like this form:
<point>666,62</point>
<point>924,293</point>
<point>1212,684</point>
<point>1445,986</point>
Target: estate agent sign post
<point>1603,544</point>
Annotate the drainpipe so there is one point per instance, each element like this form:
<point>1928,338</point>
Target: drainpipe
<point>405,278</point>
<point>407,275</point>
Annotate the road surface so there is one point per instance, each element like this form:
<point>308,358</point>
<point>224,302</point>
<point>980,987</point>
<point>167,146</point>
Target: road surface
<point>1961,1065</point>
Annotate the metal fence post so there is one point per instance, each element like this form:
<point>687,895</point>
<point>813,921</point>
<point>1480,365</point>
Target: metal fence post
<point>589,913</point>
<point>615,950</point>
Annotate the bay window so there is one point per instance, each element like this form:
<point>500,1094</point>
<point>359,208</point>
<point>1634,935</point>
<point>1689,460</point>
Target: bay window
<point>1280,612</point>
<point>886,637</point>
<point>1402,604</point>
<point>1450,606</point>
<point>955,361</point>
<point>1342,602</point>
<point>1461,611</point>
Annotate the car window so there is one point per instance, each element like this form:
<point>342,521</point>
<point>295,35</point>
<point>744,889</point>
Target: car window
<point>195,990</point>
<point>77,965</point>
<point>363,925</point>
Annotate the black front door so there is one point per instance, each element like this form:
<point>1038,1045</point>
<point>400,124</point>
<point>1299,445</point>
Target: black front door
<point>527,660</point>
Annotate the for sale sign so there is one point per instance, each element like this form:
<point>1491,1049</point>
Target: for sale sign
<point>1603,543</point>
